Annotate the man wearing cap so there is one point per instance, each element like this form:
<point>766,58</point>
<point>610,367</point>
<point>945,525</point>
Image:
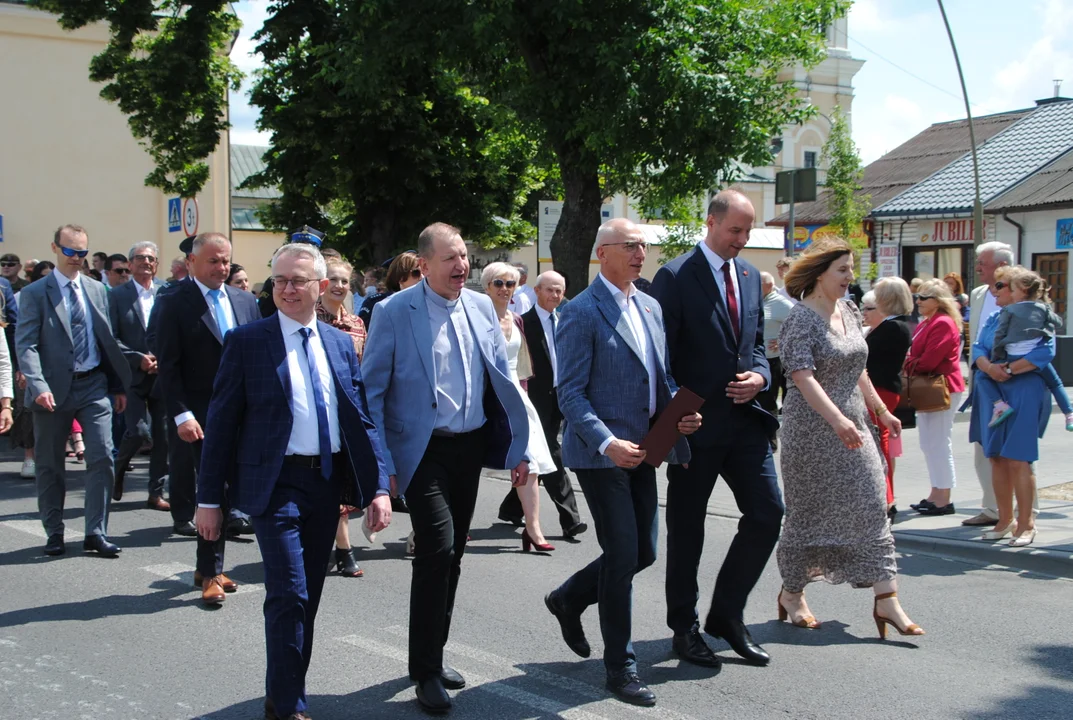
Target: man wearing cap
<point>266,302</point>
<point>193,321</point>
<point>10,266</point>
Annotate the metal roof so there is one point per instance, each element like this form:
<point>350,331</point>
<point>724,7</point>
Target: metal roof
<point>1050,186</point>
<point>247,160</point>
<point>1005,159</point>
<point>914,160</point>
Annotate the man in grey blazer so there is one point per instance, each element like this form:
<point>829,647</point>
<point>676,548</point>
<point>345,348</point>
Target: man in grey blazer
<point>611,337</point>
<point>440,393</point>
<point>71,363</point>
<point>129,307</point>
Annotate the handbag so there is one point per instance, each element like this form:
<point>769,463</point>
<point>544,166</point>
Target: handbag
<point>924,393</point>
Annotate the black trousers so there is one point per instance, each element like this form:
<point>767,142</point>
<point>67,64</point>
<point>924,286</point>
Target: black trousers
<point>145,420</point>
<point>182,488</point>
<point>749,470</point>
<point>442,495</point>
<point>210,553</point>
<point>768,399</point>
<point>558,485</point>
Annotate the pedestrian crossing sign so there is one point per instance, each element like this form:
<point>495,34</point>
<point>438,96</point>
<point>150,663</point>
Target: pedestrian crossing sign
<point>175,223</point>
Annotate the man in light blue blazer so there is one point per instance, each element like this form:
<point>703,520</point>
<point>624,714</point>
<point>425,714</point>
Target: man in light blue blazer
<point>440,394</point>
<point>611,338</point>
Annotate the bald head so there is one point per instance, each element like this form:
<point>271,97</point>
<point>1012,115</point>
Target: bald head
<point>767,283</point>
<point>549,288</point>
<point>620,248</point>
<point>730,218</point>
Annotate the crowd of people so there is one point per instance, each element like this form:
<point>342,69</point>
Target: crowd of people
<point>283,414</point>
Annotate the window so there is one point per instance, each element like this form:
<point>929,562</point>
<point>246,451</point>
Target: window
<point>810,158</point>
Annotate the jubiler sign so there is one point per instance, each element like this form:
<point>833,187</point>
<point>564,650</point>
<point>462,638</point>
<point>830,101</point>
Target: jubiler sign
<point>947,231</point>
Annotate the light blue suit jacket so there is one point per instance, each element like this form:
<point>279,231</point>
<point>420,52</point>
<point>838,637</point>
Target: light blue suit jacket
<point>603,383</point>
<point>400,383</point>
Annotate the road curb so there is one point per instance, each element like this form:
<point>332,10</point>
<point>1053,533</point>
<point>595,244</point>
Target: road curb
<point>1039,560</point>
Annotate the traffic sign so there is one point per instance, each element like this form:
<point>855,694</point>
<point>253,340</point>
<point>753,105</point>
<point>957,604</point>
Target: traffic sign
<point>190,216</point>
<point>175,222</point>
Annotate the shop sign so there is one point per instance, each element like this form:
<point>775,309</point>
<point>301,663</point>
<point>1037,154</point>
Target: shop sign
<point>804,235</point>
<point>1064,234</point>
<point>887,259</point>
<point>948,231</point>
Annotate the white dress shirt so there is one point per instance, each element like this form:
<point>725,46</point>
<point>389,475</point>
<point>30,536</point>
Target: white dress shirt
<point>305,436</point>
<point>520,301</point>
<point>548,322</point>
<point>146,298</point>
<point>225,303</point>
<point>93,356</point>
<point>716,264</point>
<point>632,313</point>
<point>987,309</point>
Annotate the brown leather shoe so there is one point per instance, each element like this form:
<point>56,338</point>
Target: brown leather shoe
<point>226,583</point>
<point>981,520</point>
<point>158,503</point>
<point>212,593</point>
<point>270,713</point>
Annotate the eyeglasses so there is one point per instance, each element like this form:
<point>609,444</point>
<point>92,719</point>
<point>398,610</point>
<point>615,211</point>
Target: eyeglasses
<point>415,273</point>
<point>1000,285</point>
<point>71,252</point>
<point>501,283</point>
<point>120,271</point>
<point>631,247</point>
<point>868,308</point>
<point>147,258</point>
<point>925,297</point>
<point>298,283</point>
<point>10,264</point>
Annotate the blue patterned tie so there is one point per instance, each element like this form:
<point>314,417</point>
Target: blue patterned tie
<point>322,410</point>
<point>223,318</point>
<point>78,326</point>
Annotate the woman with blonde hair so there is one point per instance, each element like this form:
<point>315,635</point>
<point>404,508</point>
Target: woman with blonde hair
<point>836,528</point>
<point>500,281</point>
<point>936,350</point>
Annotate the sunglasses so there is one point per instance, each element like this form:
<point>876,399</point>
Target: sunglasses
<point>925,297</point>
<point>415,273</point>
<point>502,283</point>
<point>10,264</point>
<point>71,252</point>
<point>1000,285</point>
<point>120,271</point>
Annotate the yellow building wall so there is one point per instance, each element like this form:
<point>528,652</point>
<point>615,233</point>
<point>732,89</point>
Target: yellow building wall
<point>68,156</point>
<point>253,251</point>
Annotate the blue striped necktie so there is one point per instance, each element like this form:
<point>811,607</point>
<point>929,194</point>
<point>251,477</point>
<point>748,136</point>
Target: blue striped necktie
<point>78,326</point>
<point>223,318</point>
<point>322,409</point>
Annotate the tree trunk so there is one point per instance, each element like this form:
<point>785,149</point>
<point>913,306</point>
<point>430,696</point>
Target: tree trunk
<point>571,245</point>
<point>376,223</point>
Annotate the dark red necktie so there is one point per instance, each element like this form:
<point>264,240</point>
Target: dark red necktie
<point>732,300</point>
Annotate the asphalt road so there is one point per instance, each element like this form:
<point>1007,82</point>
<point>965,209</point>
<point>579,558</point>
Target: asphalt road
<point>87,637</point>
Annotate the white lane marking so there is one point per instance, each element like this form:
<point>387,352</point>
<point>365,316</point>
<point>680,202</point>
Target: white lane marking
<point>489,685</point>
<point>33,527</point>
<point>184,574</point>
<point>506,665</point>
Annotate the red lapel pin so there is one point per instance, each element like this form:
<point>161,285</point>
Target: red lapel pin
<point>745,273</point>
<point>648,309</point>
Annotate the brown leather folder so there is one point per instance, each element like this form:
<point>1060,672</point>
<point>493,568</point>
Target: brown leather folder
<point>664,432</point>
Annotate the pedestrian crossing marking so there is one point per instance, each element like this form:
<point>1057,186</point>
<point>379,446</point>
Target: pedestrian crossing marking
<point>184,574</point>
<point>34,527</point>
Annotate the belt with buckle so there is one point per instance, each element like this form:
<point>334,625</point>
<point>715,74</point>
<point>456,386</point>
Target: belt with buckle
<point>307,461</point>
<point>86,373</point>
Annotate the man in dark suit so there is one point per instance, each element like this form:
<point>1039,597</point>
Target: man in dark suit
<point>71,362</point>
<point>189,334</point>
<point>611,338</point>
<point>715,331</point>
<point>288,422</point>
<point>130,306</point>
<point>540,323</point>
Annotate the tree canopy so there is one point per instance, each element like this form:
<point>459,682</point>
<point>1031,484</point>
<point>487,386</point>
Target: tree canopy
<point>846,204</point>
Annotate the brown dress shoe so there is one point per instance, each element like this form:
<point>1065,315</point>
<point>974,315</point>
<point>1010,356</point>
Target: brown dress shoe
<point>158,503</point>
<point>981,520</point>
<point>226,583</point>
<point>211,591</point>
<point>270,713</point>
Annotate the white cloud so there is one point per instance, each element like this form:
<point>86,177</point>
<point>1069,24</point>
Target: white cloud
<point>245,136</point>
<point>1030,75</point>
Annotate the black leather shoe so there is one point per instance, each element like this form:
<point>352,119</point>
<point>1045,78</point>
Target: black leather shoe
<point>55,545</point>
<point>432,697</point>
<point>947,509</point>
<point>239,526</point>
<point>922,505</point>
<point>186,529</point>
<point>738,637</point>
<point>100,545</point>
<point>570,624</point>
<point>690,646</point>
<point>629,688</point>
<point>515,520</point>
<point>398,505</point>
<point>575,531</point>
<point>452,679</point>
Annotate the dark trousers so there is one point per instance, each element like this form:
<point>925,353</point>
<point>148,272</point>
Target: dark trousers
<point>749,470</point>
<point>768,399</point>
<point>295,535</point>
<point>145,422</point>
<point>558,485</point>
<point>210,553</point>
<point>182,488</point>
<point>441,496</point>
<point>624,510</point>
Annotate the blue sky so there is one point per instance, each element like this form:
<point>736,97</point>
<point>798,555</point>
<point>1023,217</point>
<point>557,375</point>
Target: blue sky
<point>1011,50</point>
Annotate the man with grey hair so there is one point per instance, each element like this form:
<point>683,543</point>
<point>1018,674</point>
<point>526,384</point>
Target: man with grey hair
<point>191,324</point>
<point>524,298</point>
<point>990,256</point>
<point>777,308</point>
<point>129,307</point>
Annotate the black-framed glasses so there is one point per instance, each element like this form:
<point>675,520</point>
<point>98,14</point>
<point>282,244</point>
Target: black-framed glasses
<point>415,273</point>
<point>925,297</point>
<point>298,283</point>
<point>146,258</point>
<point>1000,285</point>
<point>631,246</point>
<point>507,283</point>
<point>10,264</point>
<point>71,252</point>
<point>120,271</point>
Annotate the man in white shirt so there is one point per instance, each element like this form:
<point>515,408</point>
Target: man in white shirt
<point>524,298</point>
<point>777,308</point>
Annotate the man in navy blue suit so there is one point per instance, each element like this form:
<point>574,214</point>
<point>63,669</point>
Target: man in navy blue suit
<point>288,421</point>
<point>714,315</point>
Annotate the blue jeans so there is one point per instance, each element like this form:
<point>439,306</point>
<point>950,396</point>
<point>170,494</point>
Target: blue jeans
<point>624,511</point>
